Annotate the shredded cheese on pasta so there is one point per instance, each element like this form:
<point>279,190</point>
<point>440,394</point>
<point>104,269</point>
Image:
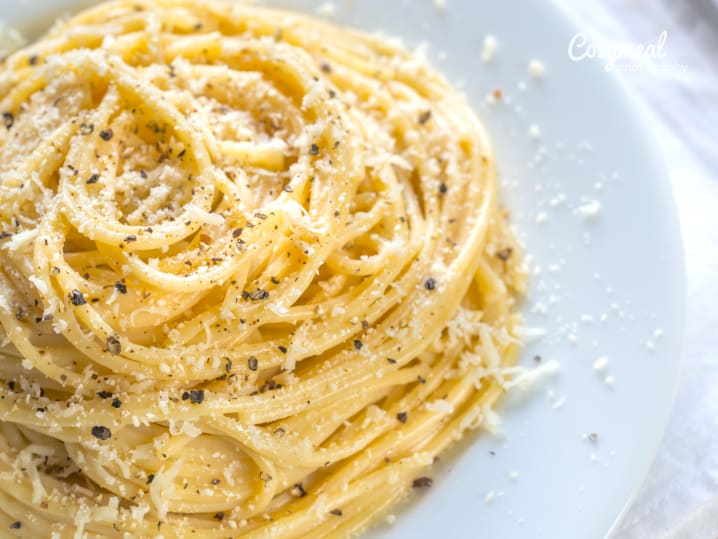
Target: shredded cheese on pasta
<point>254,275</point>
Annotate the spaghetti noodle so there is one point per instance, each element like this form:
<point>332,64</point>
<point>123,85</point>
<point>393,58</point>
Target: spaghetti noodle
<point>254,275</point>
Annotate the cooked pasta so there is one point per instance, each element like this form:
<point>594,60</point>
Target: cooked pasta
<point>254,276</point>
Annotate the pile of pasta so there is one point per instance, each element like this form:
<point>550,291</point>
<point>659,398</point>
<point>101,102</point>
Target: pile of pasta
<point>254,275</point>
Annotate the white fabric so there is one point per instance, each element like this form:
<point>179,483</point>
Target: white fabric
<point>701,523</point>
<point>679,499</point>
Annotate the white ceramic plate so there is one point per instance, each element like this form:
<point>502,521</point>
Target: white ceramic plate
<point>610,285</point>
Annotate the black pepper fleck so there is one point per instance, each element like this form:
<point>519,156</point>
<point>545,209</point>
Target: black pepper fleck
<point>357,344</point>
<point>8,119</point>
<point>252,363</point>
<point>195,396</point>
<point>269,385</point>
<point>430,283</point>
<point>93,179</point>
<point>121,287</point>
<point>282,349</point>
<point>259,294</point>
<point>104,394</point>
<point>116,403</point>
<point>16,525</point>
<point>264,476</point>
<point>402,416</point>
<point>422,482</point>
<point>101,433</point>
<point>114,346</point>
<point>336,512</point>
<point>424,117</point>
<point>314,150</point>
<point>505,254</point>
<point>77,298</point>
<point>150,478</point>
<point>86,129</point>
<point>106,134</point>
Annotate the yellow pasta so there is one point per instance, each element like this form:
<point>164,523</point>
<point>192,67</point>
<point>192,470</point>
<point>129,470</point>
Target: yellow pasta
<point>254,276</point>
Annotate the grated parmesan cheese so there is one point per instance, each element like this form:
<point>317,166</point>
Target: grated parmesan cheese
<point>590,209</point>
<point>528,335</point>
<point>600,364</point>
<point>440,406</point>
<point>492,420</point>
<point>536,69</point>
<point>489,49</point>
<point>529,377</point>
<point>139,511</point>
<point>82,517</point>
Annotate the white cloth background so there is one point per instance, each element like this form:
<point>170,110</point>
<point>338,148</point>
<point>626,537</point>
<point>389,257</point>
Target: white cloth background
<point>679,498</point>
